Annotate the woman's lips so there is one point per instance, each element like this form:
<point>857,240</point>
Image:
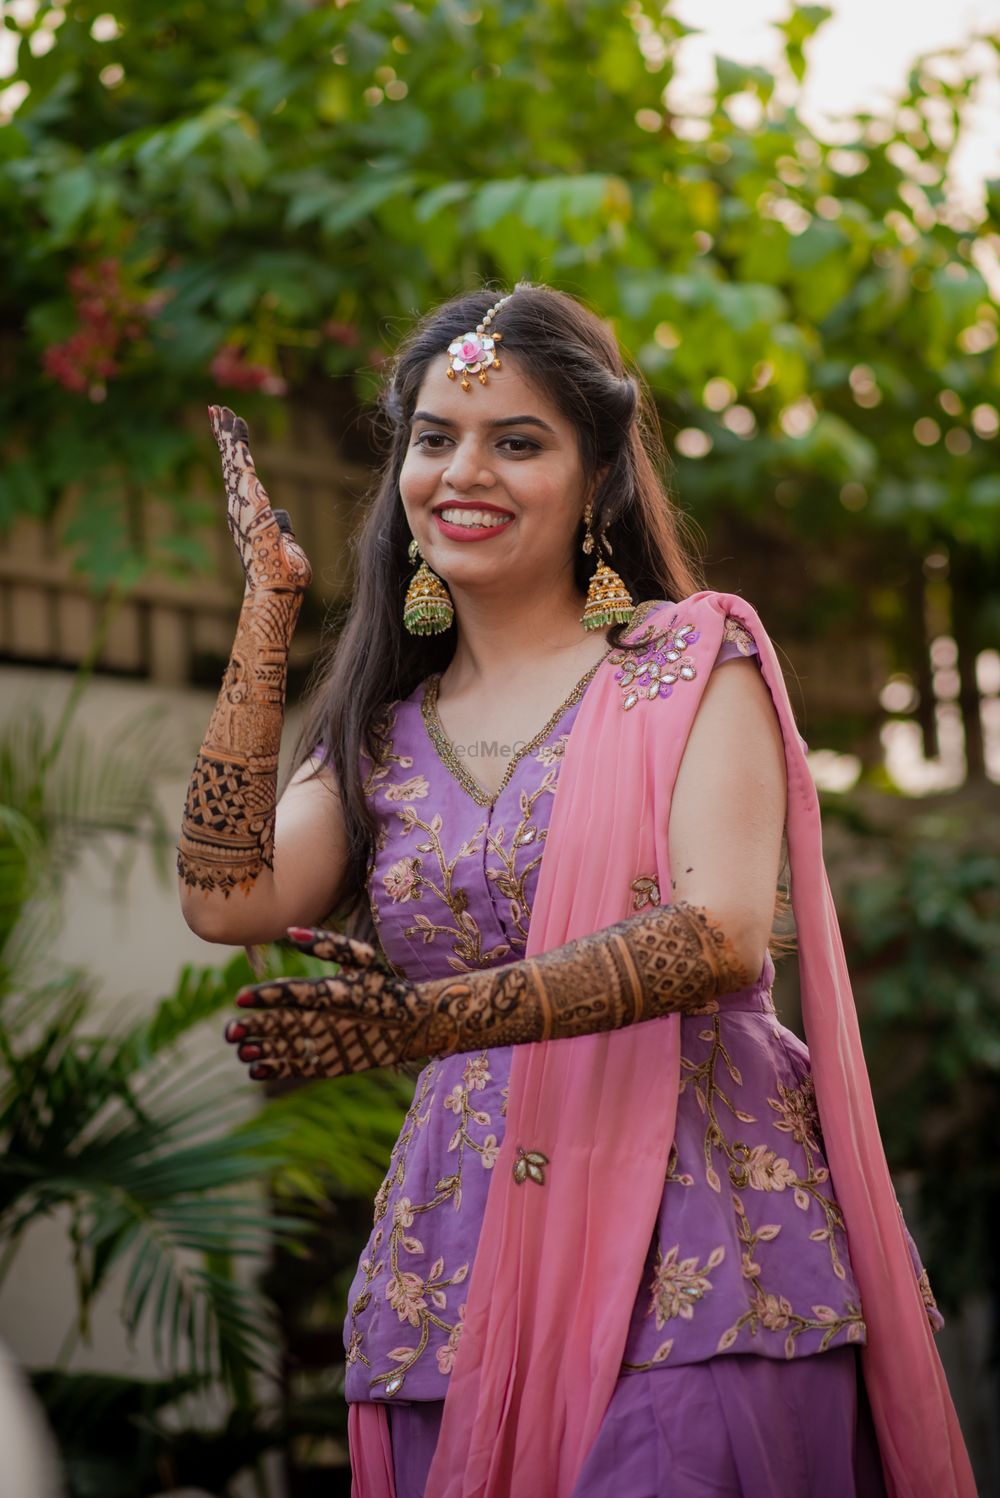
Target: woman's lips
<point>470,532</point>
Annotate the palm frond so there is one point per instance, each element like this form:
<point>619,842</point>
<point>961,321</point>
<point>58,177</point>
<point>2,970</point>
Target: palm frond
<point>336,1137</point>
<point>73,790</point>
<point>21,869</point>
<point>138,1129</point>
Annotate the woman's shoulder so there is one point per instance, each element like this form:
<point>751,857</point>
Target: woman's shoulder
<point>688,616</point>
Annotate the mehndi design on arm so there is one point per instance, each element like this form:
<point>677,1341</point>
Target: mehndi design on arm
<point>227,833</point>
<point>664,961</point>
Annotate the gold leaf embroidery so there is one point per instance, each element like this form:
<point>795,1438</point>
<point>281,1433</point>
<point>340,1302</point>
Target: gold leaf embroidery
<point>739,635</point>
<point>530,1166</point>
<point>645,891</point>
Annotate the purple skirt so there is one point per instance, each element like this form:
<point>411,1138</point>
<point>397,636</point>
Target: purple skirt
<point>738,1426</point>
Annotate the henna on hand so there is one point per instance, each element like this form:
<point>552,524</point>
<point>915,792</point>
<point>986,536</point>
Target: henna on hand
<point>227,832</point>
<point>271,556</point>
<point>672,959</point>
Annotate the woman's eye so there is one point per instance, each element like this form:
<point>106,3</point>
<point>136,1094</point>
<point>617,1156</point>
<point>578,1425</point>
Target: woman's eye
<point>515,446</point>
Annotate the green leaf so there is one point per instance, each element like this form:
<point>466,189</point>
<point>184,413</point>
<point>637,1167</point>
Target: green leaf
<point>21,492</point>
<point>984,492</point>
<point>13,143</point>
<point>67,198</point>
<point>430,204</point>
<point>492,202</point>
<point>735,77</point>
<point>362,201</point>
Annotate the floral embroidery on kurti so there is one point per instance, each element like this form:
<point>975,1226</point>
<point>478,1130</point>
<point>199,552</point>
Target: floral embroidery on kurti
<point>550,754</point>
<point>440,876</point>
<point>419,1297</point>
<point>748,1248</point>
<point>402,880</point>
<point>758,1167</point>
<point>678,1283</point>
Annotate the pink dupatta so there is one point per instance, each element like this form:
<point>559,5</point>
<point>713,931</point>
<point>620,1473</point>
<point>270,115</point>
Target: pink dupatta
<point>558,1266</point>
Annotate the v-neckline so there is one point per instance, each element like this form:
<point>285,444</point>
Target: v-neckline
<point>446,749</point>
<point>453,762</point>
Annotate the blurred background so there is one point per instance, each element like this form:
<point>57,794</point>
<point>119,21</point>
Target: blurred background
<point>790,215</point>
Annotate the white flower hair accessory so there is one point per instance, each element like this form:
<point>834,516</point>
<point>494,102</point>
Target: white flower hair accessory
<point>475,352</point>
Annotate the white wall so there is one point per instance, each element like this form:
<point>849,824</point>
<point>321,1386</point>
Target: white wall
<point>134,940</point>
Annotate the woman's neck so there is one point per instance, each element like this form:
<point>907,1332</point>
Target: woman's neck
<point>496,637</point>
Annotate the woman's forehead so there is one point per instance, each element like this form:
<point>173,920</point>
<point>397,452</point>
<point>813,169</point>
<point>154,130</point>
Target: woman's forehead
<point>509,393</point>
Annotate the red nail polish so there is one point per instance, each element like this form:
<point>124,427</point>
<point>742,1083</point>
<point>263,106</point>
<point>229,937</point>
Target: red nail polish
<point>236,1031</point>
<point>245,999</point>
<point>249,1052</point>
<point>300,933</point>
<point>260,1071</point>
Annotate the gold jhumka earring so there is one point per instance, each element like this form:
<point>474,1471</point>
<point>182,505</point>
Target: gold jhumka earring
<point>427,609</point>
<point>608,599</point>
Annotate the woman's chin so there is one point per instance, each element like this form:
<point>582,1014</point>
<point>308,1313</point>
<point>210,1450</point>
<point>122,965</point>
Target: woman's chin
<point>477,582</point>
<point>462,564</point>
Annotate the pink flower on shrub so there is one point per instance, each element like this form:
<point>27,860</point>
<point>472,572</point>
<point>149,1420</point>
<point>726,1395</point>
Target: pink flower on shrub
<point>110,314</point>
<point>231,367</point>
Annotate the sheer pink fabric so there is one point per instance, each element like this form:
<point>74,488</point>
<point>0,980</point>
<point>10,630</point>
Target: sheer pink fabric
<point>370,1445</point>
<point>557,1268</point>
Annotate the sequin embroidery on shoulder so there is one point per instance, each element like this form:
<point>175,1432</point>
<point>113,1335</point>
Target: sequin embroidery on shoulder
<point>654,670</point>
<point>740,636</point>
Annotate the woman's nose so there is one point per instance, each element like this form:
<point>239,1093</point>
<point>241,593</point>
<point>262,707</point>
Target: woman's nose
<point>468,469</point>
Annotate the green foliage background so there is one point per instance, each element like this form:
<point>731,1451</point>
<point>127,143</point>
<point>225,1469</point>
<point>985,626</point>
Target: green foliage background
<point>278,168</point>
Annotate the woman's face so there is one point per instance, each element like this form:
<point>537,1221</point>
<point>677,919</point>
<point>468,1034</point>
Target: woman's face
<point>501,454</point>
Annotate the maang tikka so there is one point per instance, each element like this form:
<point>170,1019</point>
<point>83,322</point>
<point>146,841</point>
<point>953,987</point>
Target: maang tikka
<point>608,599</point>
<point>476,352</point>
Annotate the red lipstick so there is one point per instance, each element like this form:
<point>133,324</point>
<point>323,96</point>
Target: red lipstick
<point>470,533</point>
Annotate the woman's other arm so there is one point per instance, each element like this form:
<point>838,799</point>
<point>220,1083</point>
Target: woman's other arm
<point>728,809</point>
<point>246,867</point>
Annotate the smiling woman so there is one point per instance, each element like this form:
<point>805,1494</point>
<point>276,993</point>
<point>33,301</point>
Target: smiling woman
<point>477,475</point>
<point>632,1226</point>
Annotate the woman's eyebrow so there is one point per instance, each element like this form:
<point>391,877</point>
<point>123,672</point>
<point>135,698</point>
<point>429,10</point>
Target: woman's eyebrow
<point>501,421</point>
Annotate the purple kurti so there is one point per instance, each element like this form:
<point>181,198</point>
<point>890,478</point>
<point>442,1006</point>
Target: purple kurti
<point>749,1254</point>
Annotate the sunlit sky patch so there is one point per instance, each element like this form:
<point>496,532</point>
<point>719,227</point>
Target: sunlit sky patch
<point>858,60</point>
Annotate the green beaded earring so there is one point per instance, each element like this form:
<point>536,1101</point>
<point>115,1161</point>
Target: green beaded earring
<point>428,609</point>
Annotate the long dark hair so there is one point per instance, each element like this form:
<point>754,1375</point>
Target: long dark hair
<point>571,354</point>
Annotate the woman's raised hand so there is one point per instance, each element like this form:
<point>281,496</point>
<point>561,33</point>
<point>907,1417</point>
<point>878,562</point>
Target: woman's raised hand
<point>272,558</point>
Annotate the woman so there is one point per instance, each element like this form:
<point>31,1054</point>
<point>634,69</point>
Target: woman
<point>642,1258</point>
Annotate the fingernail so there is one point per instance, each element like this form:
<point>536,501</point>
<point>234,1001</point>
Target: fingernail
<point>300,933</point>
<point>245,998</point>
<point>249,1052</point>
<point>235,1031</point>
<point>260,1071</point>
